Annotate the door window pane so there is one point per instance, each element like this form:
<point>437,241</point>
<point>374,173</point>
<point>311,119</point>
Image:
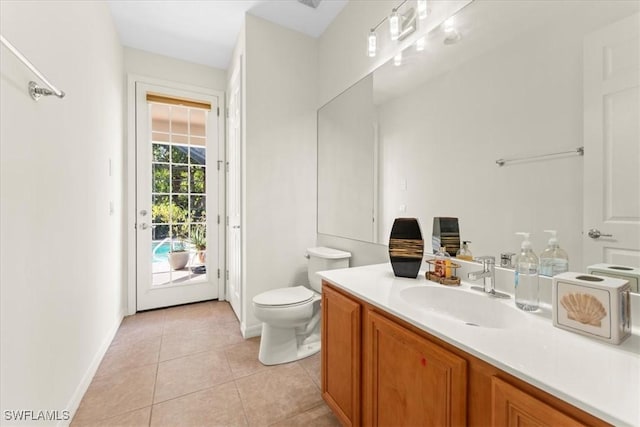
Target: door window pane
<point>180,179</point>
<point>179,154</point>
<point>197,179</point>
<point>161,153</point>
<point>160,179</point>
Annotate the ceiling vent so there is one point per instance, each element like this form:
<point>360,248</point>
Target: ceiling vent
<point>311,3</point>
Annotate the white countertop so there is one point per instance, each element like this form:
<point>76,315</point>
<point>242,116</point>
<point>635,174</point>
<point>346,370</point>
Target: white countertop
<point>600,378</point>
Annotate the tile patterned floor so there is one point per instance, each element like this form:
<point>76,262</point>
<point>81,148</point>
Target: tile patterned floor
<point>190,366</point>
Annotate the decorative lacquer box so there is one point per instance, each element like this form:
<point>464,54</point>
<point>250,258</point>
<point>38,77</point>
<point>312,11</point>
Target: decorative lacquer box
<point>595,306</point>
<point>620,271</point>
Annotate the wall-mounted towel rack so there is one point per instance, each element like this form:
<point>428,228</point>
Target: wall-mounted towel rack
<point>579,151</point>
<point>34,90</point>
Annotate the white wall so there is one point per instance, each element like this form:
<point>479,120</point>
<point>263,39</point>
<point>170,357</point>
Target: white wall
<point>279,174</point>
<point>61,265</point>
<point>174,70</point>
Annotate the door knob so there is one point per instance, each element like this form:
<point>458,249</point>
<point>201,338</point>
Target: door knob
<point>594,233</point>
<point>143,212</point>
<point>143,226</point>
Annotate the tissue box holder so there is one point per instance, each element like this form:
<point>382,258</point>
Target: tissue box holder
<point>595,306</point>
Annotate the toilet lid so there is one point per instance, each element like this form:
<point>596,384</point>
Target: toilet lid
<point>284,296</point>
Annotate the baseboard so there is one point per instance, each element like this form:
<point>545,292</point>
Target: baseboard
<point>251,331</point>
<point>74,403</point>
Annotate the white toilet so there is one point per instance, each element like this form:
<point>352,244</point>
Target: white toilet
<point>291,316</point>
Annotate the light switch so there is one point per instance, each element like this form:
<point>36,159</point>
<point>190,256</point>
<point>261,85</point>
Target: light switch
<point>402,208</point>
<point>403,184</point>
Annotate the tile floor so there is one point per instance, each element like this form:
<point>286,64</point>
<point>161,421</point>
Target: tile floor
<point>190,366</point>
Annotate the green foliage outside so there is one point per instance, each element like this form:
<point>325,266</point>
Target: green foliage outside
<point>171,184</point>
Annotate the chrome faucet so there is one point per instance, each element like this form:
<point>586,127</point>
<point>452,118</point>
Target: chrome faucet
<point>488,274</point>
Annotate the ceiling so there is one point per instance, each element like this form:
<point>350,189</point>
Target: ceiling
<point>205,31</point>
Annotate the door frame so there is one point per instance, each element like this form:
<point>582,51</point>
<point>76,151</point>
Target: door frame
<point>129,200</point>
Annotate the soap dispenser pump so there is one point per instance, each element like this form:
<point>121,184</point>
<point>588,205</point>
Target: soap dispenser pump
<point>526,276</point>
<point>553,260</point>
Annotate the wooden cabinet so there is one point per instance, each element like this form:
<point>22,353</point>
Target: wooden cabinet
<point>379,370</point>
<point>341,361</point>
<point>409,381</point>
<point>513,407</point>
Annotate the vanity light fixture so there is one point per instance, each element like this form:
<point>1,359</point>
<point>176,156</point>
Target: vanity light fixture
<point>401,25</point>
<point>397,60</point>
<point>372,43</point>
<point>422,9</point>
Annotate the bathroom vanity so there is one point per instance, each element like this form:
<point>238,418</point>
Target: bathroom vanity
<point>399,351</point>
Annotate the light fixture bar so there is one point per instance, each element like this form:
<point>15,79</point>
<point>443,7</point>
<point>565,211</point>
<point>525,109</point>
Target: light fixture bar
<point>398,29</point>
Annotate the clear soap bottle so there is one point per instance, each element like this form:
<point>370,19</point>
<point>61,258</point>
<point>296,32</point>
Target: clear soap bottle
<point>553,260</point>
<point>464,252</point>
<point>443,263</point>
<point>526,276</point>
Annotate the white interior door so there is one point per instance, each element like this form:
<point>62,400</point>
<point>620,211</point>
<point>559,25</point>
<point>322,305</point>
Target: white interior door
<point>612,144</point>
<point>234,193</point>
<point>176,196</point>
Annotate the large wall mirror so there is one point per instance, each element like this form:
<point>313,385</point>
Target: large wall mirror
<point>524,80</point>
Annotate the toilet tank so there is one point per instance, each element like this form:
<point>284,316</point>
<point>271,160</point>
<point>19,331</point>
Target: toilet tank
<point>321,259</point>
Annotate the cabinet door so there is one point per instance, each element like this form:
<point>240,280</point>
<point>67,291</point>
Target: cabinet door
<point>513,407</point>
<point>341,323</point>
<point>409,380</point>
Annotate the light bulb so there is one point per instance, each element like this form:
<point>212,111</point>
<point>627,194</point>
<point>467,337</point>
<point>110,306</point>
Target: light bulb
<point>397,60</point>
<point>394,25</point>
<point>372,45</point>
<point>452,35</point>
<point>422,9</point>
<point>450,25</point>
<point>420,43</point>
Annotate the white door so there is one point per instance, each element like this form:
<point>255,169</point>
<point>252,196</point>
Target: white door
<point>612,144</point>
<point>234,193</point>
<point>176,196</point>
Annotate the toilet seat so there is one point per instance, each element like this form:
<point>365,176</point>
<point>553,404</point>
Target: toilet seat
<point>284,297</point>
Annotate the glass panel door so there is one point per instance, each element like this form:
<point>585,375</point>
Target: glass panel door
<point>177,234</point>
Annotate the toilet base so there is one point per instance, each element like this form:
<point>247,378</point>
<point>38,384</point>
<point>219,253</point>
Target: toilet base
<point>280,345</point>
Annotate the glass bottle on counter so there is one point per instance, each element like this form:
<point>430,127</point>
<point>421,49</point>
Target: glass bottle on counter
<point>526,277</point>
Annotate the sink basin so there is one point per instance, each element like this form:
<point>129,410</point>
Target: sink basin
<point>469,307</point>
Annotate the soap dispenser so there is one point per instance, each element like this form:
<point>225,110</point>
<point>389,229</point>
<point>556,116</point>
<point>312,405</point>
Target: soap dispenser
<point>526,276</point>
<point>464,252</point>
<point>553,260</point>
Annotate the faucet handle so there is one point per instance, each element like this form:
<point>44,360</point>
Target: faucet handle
<point>486,259</point>
<point>506,259</point>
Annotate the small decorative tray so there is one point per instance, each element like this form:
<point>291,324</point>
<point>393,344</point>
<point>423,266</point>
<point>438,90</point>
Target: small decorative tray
<point>447,281</point>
